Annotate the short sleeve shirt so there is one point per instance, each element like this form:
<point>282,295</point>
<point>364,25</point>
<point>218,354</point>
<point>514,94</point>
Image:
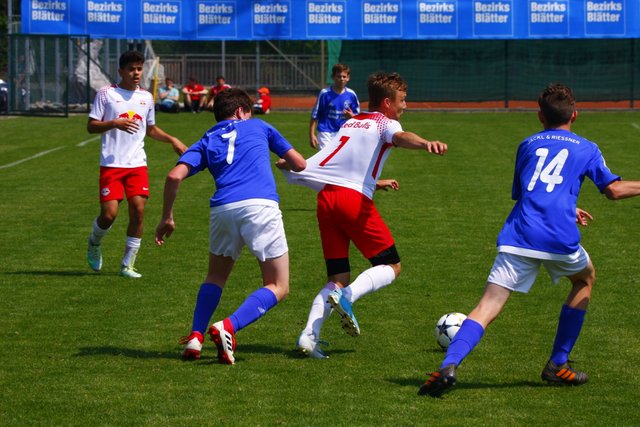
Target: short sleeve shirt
<point>121,149</point>
<point>237,154</point>
<point>550,168</point>
<point>355,158</point>
<point>329,107</point>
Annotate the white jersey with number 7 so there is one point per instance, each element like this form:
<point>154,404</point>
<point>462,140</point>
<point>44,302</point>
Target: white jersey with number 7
<point>355,158</point>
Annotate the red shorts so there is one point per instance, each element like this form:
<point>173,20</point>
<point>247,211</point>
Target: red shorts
<point>114,182</point>
<point>346,215</point>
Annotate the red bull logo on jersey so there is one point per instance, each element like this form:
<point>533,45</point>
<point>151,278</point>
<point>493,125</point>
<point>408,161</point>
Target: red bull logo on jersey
<point>357,124</point>
<point>132,115</point>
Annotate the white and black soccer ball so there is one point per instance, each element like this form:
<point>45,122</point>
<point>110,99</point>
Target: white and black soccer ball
<point>447,328</point>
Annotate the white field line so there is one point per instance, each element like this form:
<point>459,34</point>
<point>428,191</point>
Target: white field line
<point>635,125</point>
<point>83,143</point>
<point>42,153</point>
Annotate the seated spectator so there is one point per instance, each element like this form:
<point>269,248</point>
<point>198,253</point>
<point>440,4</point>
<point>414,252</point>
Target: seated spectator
<point>194,96</point>
<point>263,103</point>
<point>219,87</point>
<point>169,96</point>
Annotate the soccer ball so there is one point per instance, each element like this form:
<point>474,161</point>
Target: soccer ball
<point>447,328</point>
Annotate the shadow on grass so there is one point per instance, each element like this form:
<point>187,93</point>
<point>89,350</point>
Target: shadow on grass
<point>127,352</point>
<point>242,352</point>
<point>57,273</point>
<point>417,382</point>
<point>291,353</point>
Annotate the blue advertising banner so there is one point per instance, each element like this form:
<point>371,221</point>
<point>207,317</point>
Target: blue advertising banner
<point>333,19</point>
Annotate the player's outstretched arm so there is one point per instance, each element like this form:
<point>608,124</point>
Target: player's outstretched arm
<point>159,135</point>
<point>622,189</point>
<point>414,142</point>
<point>583,217</point>
<point>292,161</point>
<point>171,186</point>
<point>386,184</point>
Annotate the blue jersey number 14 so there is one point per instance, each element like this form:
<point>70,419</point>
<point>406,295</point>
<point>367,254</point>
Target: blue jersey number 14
<point>550,175</point>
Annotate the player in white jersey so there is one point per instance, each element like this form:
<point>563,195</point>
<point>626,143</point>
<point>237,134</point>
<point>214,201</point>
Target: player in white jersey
<point>541,230</point>
<point>124,115</point>
<point>346,173</point>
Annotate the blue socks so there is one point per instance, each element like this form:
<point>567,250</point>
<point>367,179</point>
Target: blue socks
<point>206,303</point>
<point>465,340</point>
<point>470,334</point>
<point>569,326</point>
<point>253,308</point>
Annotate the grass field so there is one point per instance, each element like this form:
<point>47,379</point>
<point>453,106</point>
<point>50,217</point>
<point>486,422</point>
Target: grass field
<point>80,348</point>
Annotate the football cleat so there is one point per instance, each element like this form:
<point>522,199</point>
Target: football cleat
<point>126,271</point>
<point>310,347</point>
<point>563,374</point>
<point>192,345</point>
<point>439,381</point>
<point>94,256</point>
<point>223,336</point>
<point>344,309</point>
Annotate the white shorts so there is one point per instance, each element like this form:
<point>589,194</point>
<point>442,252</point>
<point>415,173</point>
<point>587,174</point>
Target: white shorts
<point>325,138</point>
<point>517,272</point>
<point>259,227</point>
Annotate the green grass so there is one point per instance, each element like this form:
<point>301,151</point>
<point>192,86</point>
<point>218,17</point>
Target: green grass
<point>80,348</point>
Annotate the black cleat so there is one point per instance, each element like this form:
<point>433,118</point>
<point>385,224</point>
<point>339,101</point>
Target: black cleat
<point>563,374</point>
<point>439,381</point>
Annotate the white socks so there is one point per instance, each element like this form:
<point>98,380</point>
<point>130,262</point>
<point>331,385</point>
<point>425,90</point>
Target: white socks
<point>98,233</point>
<point>371,280</point>
<point>130,251</point>
<point>320,311</point>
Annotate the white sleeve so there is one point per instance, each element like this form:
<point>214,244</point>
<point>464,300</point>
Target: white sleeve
<point>99,102</point>
<point>151,114</point>
<point>391,127</point>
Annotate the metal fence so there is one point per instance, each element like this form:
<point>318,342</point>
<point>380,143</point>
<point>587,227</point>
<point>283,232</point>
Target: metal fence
<point>55,75</point>
<point>293,74</point>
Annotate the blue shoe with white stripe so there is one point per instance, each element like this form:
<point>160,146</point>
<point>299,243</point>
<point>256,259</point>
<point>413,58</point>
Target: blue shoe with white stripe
<point>344,309</point>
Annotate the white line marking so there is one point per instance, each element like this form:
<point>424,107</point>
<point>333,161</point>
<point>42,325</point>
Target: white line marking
<point>83,143</point>
<point>42,153</point>
<point>635,125</point>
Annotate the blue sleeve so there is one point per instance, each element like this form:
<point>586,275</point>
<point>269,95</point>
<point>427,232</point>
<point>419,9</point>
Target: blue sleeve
<point>195,157</point>
<point>515,189</point>
<point>316,107</point>
<point>598,171</point>
<point>277,143</point>
<point>356,109</point>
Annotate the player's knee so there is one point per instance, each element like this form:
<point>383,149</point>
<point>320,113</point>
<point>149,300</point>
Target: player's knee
<point>107,218</point>
<point>284,293</point>
<point>586,278</point>
<point>280,290</point>
<point>388,256</point>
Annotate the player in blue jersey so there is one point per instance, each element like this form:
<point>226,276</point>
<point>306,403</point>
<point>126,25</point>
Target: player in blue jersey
<point>244,211</point>
<point>541,230</point>
<point>335,104</point>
